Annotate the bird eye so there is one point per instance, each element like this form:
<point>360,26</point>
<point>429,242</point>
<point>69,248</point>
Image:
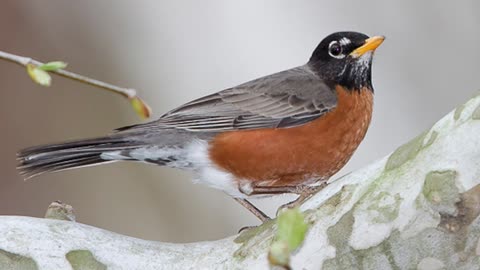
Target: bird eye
<point>335,50</point>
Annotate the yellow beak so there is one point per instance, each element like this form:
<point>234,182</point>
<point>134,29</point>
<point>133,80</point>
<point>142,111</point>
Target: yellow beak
<point>370,45</point>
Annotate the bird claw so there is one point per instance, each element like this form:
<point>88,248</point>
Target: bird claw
<point>305,192</point>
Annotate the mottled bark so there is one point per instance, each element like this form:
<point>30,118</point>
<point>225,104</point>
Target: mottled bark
<point>417,208</point>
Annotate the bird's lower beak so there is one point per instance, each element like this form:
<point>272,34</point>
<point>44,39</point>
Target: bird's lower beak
<point>370,45</point>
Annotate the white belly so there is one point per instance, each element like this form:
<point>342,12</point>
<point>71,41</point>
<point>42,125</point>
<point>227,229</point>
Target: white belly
<point>194,157</point>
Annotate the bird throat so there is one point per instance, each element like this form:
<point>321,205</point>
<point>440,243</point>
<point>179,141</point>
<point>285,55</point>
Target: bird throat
<point>357,73</point>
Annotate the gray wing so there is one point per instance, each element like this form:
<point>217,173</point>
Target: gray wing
<point>285,99</point>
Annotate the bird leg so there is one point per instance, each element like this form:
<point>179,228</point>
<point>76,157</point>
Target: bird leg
<point>305,192</point>
<point>266,190</point>
<point>253,209</point>
<point>257,190</point>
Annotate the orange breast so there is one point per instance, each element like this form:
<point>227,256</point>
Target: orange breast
<point>291,156</point>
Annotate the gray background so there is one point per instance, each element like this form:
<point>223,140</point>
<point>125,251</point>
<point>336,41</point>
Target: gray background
<point>174,51</point>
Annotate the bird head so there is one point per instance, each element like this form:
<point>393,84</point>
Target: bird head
<point>345,58</point>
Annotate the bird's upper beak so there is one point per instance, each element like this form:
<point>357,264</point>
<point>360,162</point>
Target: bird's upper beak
<point>370,45</point>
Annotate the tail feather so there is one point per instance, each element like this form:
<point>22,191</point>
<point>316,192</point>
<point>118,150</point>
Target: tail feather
<point>34,170</point>
<point>69,146</point>
<point>37,160</point>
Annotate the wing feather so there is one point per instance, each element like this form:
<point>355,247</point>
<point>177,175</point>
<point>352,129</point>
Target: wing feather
<point>285,99</point>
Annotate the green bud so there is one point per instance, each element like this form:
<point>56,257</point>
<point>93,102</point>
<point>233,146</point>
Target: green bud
<point>53,66</point>
<point>291,228</point>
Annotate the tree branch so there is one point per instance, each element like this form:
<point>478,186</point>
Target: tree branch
<point>417,208</point>
<point>129,93</point>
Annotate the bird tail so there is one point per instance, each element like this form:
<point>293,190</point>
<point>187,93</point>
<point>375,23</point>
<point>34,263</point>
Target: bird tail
<point>37,160</point>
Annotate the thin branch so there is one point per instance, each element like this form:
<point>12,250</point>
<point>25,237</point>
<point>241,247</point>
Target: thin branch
<point>24,61</point>
<point>139,105</point>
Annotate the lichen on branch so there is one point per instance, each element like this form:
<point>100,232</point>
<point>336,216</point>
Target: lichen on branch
<point>417,208</point>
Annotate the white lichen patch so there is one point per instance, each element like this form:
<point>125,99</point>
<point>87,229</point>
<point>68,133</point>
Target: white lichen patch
<point>425,218</point>
<point>317,249</point>
<point>47,242</point>
<point>374,216</point>
<point>477,249</point>
<point>430,264</point>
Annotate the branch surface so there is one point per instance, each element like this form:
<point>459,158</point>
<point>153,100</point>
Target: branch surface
<point>417,208</point>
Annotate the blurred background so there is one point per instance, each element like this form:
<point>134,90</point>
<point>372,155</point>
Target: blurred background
<point>175,51</point>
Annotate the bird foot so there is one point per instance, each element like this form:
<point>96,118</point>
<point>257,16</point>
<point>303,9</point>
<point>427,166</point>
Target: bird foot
<point>305,192</point>
<point>246,228</point>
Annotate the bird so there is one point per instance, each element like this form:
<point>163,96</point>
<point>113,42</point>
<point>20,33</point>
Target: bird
<point>287,132</point>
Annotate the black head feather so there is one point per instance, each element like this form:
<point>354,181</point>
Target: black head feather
<point>332,61</point>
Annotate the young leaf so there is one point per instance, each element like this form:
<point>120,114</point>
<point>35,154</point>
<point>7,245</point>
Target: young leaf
<point>291,228</point>
<point>53,66</point>
<point>39,76</point>
<point>279,254</point>
<point>140,107</point>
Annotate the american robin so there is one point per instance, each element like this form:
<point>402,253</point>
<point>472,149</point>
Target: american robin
<point>283,133</point>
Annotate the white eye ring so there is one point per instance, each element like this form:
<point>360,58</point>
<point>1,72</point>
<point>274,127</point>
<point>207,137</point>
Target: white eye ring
<point>335,50</point>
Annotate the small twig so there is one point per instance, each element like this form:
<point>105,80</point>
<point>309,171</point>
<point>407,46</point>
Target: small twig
<point>129,93</point>
<point>24,61</point>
